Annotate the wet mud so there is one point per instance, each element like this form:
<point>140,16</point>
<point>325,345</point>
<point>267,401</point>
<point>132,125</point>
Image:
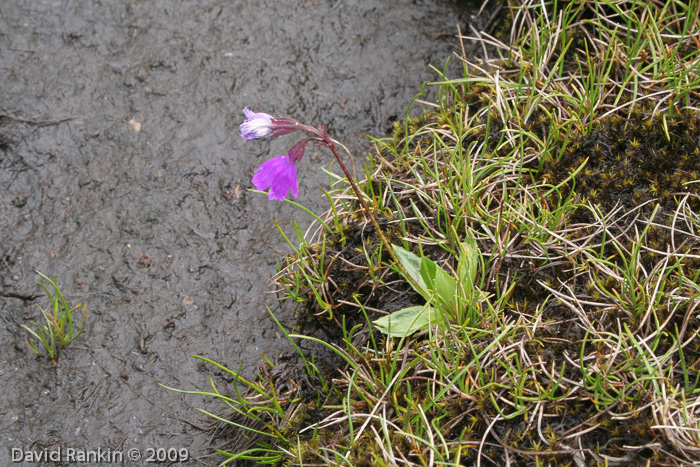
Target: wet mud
<point>123,175</point>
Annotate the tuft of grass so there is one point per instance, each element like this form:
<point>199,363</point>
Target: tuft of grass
<point>566,159</point>
<point>59,330</point>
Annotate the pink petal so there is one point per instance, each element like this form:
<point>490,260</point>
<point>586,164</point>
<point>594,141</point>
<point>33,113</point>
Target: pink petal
<point>280,175</point>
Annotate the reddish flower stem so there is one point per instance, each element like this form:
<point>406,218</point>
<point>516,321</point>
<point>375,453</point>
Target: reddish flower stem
<point>329,144</point>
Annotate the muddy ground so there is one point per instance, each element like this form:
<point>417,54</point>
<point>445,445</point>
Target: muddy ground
<point>122,174</point>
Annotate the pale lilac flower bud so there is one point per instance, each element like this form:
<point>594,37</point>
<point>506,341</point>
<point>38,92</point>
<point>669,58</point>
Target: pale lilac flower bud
<point>257,125</point>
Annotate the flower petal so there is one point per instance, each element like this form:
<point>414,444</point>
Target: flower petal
<point>257,125</point>
<point>280,175</point>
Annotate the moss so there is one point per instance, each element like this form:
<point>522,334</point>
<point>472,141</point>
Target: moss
<point>633,159</point>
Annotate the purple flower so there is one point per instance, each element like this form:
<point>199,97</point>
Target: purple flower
<point>257,125</point>
<point>280,174</point>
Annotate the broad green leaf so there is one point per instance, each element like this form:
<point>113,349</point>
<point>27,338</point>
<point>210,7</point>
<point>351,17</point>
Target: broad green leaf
<point>411,264</point>
<point>467,265</point>
<point>427,273</point>
<point>451,297</point>
<point>468,262</point>
<point>440,284</point>
<point>408,320</point>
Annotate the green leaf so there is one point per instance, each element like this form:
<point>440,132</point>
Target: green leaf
<point>411,264</point>
<point>467,265</point>
<point>468,261</point>
<point>439,283</point>
<point>408,320</point>
<point>452,297</point>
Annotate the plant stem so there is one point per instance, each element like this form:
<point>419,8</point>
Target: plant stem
<point>328,143</point>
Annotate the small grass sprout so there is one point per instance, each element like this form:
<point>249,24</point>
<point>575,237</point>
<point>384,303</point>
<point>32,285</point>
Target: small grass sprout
<point>60,329</point>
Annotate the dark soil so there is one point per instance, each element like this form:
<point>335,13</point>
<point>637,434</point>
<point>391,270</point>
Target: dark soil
<point>122,174</point>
